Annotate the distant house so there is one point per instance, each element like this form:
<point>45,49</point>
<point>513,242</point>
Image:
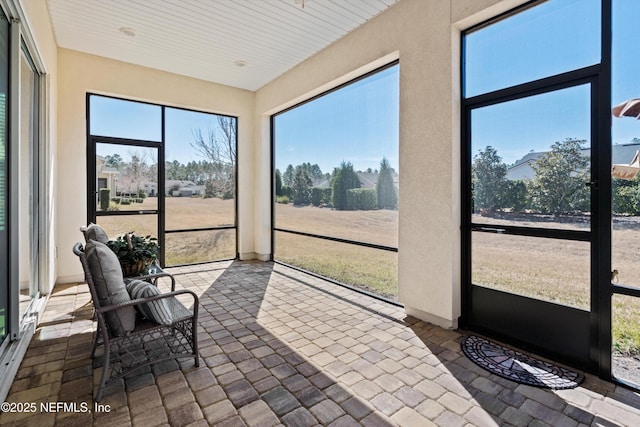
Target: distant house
<point>524,168</point>
<point>107,176</point>
<point>179,188</point>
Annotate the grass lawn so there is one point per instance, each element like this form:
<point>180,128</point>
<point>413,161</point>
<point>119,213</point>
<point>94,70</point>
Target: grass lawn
<point>183,213</point>
<point>558,271</point>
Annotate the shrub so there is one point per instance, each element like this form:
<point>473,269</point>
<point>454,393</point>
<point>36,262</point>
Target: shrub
<point>105,195</point>
<point>125,201</point>
<point>285,191</point>
<point>282,199</point>
<point>626,200</point>
<point>116,199</point>
<point>345,179</point>
<point>362,199</point>
<point>301,187</point>
<point>385,188</point>
<point>320,196</point>
<point>515,196</point>
<point>142,194</point>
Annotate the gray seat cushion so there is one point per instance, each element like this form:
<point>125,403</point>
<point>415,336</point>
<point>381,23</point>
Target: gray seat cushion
<point>107,278</point>
<point>95,232</point>
<point>159,310</point>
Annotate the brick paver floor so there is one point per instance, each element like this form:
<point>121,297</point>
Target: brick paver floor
<point>279,347</point>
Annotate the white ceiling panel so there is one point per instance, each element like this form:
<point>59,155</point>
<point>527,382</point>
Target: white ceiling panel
<point>206,39</point>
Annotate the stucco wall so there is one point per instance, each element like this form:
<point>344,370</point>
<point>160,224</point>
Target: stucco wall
<point>425,36</point>
<point>79,73</point>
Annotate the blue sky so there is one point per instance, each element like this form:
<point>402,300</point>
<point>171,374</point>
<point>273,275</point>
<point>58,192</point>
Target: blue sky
<point>114,117</point>
<point>557,36</point>
<point>358,123</point>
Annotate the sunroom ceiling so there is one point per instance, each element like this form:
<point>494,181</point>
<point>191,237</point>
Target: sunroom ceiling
<point>240,43</point>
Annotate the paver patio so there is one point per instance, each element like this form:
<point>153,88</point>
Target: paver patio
<point>281,347</point>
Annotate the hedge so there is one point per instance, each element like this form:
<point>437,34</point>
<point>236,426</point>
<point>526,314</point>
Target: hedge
<point>362,199</point>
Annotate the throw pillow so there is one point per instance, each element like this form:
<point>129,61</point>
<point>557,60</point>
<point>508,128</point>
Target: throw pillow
<point>109,284</point>
<point>95,232</point>
<point>159,310</point>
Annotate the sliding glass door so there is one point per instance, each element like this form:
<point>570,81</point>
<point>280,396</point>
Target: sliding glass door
<point>4,181</point>
<point>28,194</point>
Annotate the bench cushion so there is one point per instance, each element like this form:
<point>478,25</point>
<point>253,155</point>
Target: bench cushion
<point>109,284</point>
<point>159,310</point>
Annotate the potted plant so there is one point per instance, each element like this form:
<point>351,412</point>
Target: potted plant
<point>135,253</point>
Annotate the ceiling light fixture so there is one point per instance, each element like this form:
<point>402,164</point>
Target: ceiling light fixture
<point>127,31</point>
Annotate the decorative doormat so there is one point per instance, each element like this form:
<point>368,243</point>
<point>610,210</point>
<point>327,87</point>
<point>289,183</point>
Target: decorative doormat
<point>517,366</point>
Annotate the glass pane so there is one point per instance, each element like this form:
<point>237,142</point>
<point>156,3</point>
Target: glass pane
<point>373,270</point>
<point>626,338</point>
<point>336,161</point>
<point>117,225</point>
<point>28,185</point>
<point>125,119</point>
<point>200,169</point>
<point>625,133</point>
<point>530,161</point>
<point>4,238</point>
<point>200,246</point>
<point>552,270</point>
<point>127,178</point>
<point>553,37</point>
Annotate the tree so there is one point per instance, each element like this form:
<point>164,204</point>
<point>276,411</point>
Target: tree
<point>515,196</point>
<point>385,188</point>
<point>488,180</point>
<point>278,183</point>
<point>287,176</point>
<point>219,148</point>
<point>301,188</point>
<point>344,179</point>
<point>560,176</point>
<point>114,161</point>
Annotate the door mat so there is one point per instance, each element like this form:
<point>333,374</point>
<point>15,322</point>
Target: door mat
<point>517,366</point>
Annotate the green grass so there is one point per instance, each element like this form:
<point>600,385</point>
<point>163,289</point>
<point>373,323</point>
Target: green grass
<point>370,269</point>
<point>200,246</point>
<point>626,325</point>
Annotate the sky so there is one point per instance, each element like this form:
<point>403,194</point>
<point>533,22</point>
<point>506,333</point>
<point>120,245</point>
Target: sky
<point>360,122</point>
<point>555,37</point>
<point>118,118</point>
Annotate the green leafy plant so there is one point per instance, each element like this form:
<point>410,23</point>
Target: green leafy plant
<point>135,253</point>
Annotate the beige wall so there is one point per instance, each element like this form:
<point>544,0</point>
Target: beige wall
<point>79,73</point>
<point>424,35</point>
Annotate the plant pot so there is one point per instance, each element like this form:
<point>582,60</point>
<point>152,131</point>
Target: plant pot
<point>134,268</point>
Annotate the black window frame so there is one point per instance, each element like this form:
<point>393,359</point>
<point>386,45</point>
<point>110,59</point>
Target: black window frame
<point>93,213</point>
<point>274,228</point>
<point>599,76</point>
